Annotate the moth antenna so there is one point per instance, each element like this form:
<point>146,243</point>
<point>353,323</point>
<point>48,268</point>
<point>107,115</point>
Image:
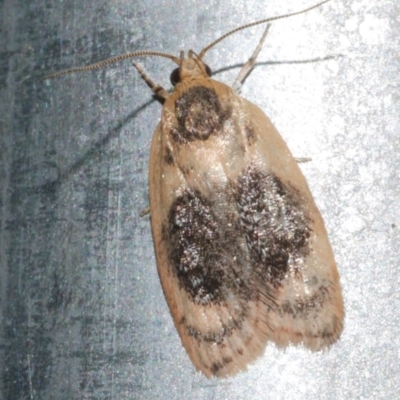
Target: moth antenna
<point>263,21</point>
<point>111,61</point>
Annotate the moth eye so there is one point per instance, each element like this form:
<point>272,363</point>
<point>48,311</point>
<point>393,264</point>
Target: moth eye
<point>175,76</point>
<point>208,70</point>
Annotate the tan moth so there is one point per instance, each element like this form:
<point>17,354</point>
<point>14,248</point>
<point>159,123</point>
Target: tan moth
<point>242,251</point>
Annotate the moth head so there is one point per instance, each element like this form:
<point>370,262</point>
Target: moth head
<point>190,67</point>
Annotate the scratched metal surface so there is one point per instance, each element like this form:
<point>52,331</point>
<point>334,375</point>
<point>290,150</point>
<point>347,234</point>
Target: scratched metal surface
<point>82,313</point>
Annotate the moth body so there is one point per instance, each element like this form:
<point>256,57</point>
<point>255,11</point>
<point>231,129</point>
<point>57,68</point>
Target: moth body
<point>242,251</point>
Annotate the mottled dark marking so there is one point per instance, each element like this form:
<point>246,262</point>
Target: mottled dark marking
<point>176,137</point>
<point>215,367</point>
<point>274,223</point>
<point>205,249</point>
<point>331,330</point>
<point>199,114</point>
<point>186,169</point>
<point>302,309</point>
<point>226,360</point>
<point>250,133</point>
<point>168,158</point>
<point>238,243</point>
<point>217,337</point>
<point>218,365</point>
<point>240,150</point>
<point>193,226</point>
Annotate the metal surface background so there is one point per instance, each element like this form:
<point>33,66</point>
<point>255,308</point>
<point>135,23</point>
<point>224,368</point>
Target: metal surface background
<point>82,313</point>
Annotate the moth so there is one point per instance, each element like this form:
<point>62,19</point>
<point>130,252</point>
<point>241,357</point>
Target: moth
<point>242,251</point>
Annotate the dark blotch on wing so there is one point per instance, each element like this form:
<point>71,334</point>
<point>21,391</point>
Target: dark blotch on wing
<point>205,250</point>
<point>217,337</point>
<point>303,308</point>
<point>199,114</point>
<point>250,133</point>
<point>217,366</point>
<point>168,157</point>
<point>274,223</point>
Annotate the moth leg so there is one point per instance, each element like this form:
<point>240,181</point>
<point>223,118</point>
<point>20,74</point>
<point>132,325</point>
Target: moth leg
<point>145,212</point>
<point>300,160</point>
<point>250,63</point>
<point>158,90</point>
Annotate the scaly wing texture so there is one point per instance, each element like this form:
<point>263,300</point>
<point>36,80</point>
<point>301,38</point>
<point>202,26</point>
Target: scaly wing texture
<point>242,251</point>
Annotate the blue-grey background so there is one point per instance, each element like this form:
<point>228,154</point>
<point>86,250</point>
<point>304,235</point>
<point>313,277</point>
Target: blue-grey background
<point>82,313</point>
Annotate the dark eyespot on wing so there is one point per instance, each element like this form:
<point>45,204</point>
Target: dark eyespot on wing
<point>274,223</point>
<point>200,114</point>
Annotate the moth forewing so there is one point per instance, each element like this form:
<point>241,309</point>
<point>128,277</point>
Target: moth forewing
<point>242,250</point>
